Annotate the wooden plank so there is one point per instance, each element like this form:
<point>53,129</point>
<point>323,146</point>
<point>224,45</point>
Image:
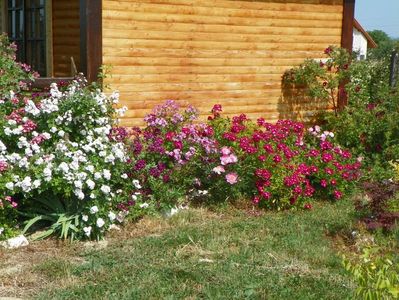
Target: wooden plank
<point>182,78</point>
<point>126,70</point>
<point>130,15</point>
<point>216,11</point>
<point>225,37</point>
<point>219,28</point>
<point>207,53</point>
<point>195,86</point>
<point>194,44</point>
<point>310,6</point>
<point>165,61</point>
<point>193,95</point>
<point>206,105</point>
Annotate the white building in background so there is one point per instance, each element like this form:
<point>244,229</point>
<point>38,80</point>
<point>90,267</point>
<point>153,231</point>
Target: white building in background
<point>361,40</point>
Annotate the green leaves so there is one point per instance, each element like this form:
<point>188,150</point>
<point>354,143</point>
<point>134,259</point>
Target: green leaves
<point>376,277</point>
<point>54,216</point>
<point>321,79</point>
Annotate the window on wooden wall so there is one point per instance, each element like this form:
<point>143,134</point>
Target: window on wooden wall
<point>26,27</point>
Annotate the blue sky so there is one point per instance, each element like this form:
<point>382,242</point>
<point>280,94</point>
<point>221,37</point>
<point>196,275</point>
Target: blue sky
<point>379,14</point>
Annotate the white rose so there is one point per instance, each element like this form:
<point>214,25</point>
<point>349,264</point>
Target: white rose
<point>91,184</point>
<point>36,183</point>
<point>78,184</point>
<point>144,205</point>
<point>26,184</point>
<point>105,189</point>
<point>107,174</point>
<point>93,210</point>
<point>136,184</point>
<point>87,230</point>
<point>90,168</point>
<point>111,216</point>
<point>10,185</point>
<point>100,222</point>
<point>39,161</point>
<point>80,195</point>
<point>85,218</point>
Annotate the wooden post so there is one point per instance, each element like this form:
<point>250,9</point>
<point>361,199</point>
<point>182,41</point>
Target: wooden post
<point>346,42</point>
<point>91,37</point>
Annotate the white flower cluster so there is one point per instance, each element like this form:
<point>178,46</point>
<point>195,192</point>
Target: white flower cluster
<point>61,143</point>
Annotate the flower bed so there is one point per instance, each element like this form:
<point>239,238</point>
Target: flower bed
<point>65,165</point>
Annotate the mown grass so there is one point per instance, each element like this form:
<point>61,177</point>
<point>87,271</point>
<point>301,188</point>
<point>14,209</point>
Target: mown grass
<point>224,255</point>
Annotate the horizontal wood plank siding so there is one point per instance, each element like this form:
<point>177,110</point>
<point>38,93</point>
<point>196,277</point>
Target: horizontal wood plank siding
<point>215,51</point>
<point>66,36</point>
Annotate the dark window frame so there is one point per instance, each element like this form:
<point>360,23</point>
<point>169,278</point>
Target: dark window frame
<point>90,43</point>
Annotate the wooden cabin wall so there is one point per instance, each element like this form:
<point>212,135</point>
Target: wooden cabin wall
<point>215,51</point>
<point>66,36</point>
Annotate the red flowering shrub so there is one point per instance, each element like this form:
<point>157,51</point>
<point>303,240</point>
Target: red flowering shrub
<point>280,165</point>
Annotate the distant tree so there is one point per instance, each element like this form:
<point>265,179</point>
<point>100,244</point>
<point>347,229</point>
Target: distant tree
<point>385,45</point>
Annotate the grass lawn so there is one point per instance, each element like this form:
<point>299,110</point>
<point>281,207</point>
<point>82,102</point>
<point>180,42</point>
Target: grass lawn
<point>196,254</point>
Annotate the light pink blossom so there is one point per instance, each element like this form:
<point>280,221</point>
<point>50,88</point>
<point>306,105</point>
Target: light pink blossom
<point>225,151</point>
<point>232,178</point>
<point>218,170</point>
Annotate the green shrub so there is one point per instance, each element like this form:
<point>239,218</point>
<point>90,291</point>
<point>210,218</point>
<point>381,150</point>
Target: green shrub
<point>376,276</point>
<point>322,79</point>
<point>369,123</point>
<point>13,75</point>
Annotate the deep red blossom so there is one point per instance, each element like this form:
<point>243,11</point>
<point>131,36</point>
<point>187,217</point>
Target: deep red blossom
<point>323,183</point>
<point>328,50</point>
<point>216,109</point>
<point>337,194</point>
<point>277,158</point>
<point>327,157</point>
<point>268,148</point>
<point>229,136</point>
<point>307,206</point>
<point>263,174</point>
<point>170,135</point>
<point>140,164</point>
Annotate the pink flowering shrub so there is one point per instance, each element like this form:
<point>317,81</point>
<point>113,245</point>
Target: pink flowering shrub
<point>279,165</point>
<point>168,155</point>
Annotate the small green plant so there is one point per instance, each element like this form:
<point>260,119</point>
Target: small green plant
<point>377,277</point>
<point>13,75</point>
<point>322,79</point>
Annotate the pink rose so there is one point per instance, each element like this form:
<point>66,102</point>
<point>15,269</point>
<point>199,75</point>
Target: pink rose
<point>225,151</point>
<point>232,178</point>
<point>230,159</point>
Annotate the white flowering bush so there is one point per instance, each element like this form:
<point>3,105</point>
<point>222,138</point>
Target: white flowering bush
<point>62,161</point>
